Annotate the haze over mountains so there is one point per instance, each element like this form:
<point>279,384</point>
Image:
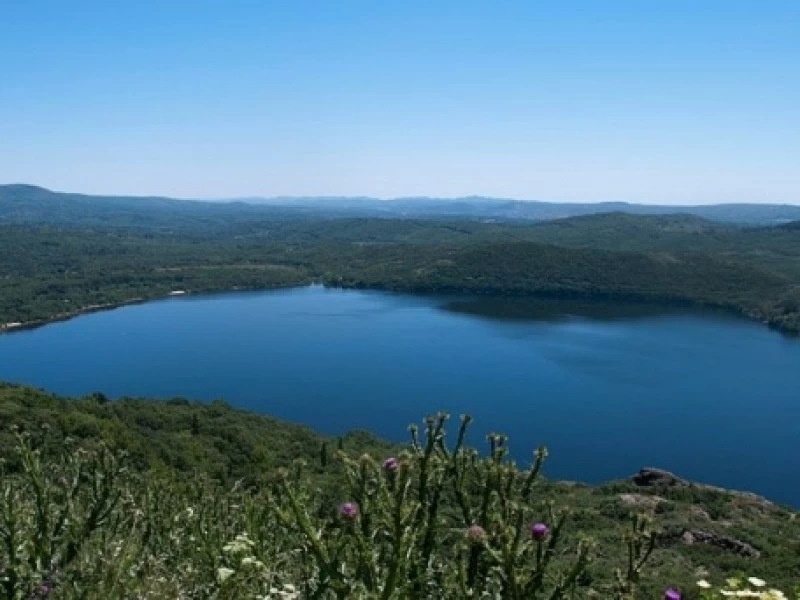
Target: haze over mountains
<point>487,207</point>
<point>30,203</point>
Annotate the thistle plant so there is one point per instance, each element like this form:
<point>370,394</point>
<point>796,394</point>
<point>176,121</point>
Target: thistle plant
<point>393,536</point>
<point>640,542</point>
<point>435,520</point>
<point>52,512</point>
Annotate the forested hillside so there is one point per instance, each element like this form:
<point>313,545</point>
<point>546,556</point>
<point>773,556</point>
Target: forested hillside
<point>50,272</point>
<point>176,499</point>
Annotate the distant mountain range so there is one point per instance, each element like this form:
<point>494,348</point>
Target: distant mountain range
<point>21,203</point>
<point>479,206</point>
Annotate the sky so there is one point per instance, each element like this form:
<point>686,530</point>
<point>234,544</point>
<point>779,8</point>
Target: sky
<point>680,102</point>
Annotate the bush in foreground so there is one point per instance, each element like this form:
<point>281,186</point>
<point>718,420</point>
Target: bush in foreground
<point>430,522</point>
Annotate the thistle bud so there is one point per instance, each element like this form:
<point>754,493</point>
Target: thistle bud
<point>348,511</point>
<point>539,531</point>
<point>476,534</point>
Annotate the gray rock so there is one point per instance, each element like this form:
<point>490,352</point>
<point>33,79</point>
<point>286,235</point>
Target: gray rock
<point>698,512</point>
<point>641,500</point>
<point>649,477</point>
<point>724,542</point>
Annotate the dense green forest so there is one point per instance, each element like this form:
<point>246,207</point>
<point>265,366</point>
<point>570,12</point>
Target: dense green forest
<point>136,498</point>
<point>51,271</point>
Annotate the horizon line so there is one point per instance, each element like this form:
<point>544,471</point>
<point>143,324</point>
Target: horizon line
<point>470,197</point>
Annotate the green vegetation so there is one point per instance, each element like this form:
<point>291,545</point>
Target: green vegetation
<point>138,498</point>
<point>214,438</point>
<point>49,272</point>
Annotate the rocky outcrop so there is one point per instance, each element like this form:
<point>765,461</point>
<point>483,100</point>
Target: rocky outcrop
<point>641,501</point>
<point>660,478</point>
<point>651,477</point>
<point>696,536</point>
<point>697,512</point>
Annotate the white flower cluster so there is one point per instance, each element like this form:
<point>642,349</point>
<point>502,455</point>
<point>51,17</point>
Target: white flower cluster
<point>241,543</point>
<point>285,592</point>
<point>252,561</point>
<point>734,590</point>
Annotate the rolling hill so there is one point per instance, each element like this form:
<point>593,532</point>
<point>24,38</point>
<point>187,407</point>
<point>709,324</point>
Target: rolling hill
<point>28,203</point>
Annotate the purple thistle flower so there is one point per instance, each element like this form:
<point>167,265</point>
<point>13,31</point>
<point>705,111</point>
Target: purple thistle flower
<point>672,594</point>
<point>391,464</point>
<point>348,510</point>
<point>43,589</point>
<point>476,534</point>
<point>539,531</point>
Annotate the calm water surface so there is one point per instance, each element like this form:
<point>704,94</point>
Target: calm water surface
<point>609,389</point>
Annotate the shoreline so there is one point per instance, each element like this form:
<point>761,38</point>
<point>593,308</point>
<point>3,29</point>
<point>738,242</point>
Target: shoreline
<point>66,316</point>
<point>646,299</point>
<point>92,308</point>
<point>740,312</point>
<point>647,480</point>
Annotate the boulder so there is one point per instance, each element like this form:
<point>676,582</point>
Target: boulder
<point>698,512</point>
<point>651,477</point>
<point>724,542</point>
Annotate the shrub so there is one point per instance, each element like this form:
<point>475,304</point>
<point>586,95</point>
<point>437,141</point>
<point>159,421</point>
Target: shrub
<point>431,521</point>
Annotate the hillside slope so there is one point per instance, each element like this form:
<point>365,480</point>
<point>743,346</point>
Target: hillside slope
<point>178,515</point>
<point>52,272</point>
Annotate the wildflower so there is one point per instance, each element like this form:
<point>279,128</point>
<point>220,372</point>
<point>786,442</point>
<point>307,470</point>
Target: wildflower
<point>672,594</point>
<point>288,591</point>
<point>43,589</point>
<point>391,464</point>
<point>476,534</point>
<point>539,531</point>
<point>240,544</point>
<point>756,581</point>
<point>252,561</point>
<point>224,573</point>
<point>773,594</point>
<point>703,584</point>
<point>348,510</point>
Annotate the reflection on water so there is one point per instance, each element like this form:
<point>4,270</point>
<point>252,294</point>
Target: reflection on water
<point>556,309</point>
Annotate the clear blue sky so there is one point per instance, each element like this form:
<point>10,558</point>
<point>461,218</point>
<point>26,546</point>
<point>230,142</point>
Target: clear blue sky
<point>679,102</point>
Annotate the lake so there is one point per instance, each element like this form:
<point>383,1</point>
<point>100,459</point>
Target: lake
<point>608,388</point>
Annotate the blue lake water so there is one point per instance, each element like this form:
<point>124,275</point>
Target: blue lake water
<point>607,388</point>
